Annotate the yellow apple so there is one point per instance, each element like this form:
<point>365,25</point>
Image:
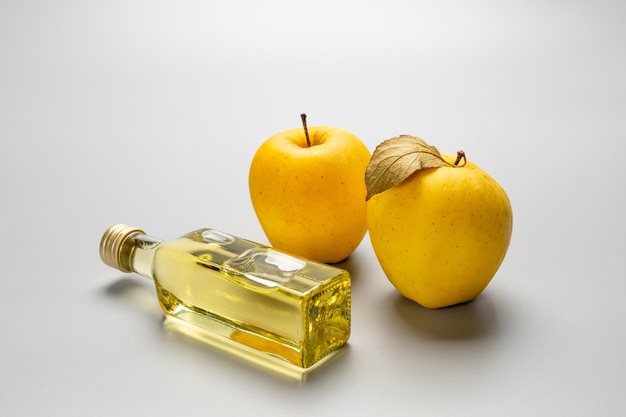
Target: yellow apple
<point>307,189</point>
<point>441,233</point>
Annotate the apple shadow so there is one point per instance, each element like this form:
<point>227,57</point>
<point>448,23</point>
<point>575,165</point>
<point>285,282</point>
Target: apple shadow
<point>472,320</point>
<point>350,264</point>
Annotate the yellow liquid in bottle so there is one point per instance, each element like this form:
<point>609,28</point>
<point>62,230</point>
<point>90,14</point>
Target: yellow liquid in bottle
<point>229,287</point>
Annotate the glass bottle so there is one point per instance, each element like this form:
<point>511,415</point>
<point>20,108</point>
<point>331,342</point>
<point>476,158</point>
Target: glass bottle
<point>241,296</point>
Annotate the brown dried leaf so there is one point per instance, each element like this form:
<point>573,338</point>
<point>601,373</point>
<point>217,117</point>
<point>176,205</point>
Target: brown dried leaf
<point>395,159</point>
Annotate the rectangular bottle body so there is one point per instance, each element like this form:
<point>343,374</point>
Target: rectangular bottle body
<point>284,306</point>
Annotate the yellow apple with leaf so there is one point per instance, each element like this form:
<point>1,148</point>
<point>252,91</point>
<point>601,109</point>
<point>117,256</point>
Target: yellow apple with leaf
<point>307,189</point>
<point>439,225</point>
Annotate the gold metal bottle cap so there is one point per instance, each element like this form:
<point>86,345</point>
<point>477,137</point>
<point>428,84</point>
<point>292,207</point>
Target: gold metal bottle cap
<point>111,244</point>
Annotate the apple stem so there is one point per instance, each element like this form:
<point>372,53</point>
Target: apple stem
<point>460,155</point>
<point>306,130</point>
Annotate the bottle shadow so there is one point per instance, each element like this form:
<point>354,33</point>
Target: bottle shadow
<point>137,294</point>
<point>472,320</point>
<point>123,286</point>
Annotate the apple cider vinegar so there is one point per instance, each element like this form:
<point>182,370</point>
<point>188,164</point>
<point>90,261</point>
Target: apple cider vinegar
<point>241,296</point>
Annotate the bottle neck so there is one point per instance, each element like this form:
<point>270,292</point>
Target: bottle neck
<point>137,254</point>
<point>129,249</point>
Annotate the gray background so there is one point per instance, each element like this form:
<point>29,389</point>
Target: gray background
<point>149,112</point>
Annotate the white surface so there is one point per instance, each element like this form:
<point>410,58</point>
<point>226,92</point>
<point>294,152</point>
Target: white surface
<point>149,112</point>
